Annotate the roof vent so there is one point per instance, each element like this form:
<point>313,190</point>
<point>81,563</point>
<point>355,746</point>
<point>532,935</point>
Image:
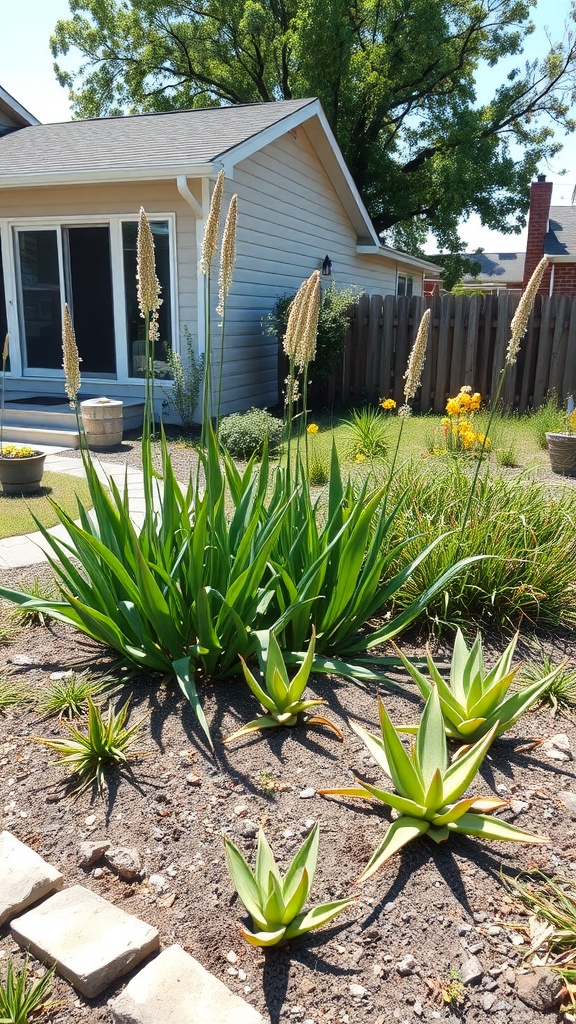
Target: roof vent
<point>541,177</point>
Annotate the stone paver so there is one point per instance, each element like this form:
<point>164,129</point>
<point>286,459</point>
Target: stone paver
<point>91,941</point>
<point>175,989</point>
<point>24,877</point>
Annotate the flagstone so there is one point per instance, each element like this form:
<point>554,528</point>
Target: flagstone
<point>24,877</point>
<point>91,941</point>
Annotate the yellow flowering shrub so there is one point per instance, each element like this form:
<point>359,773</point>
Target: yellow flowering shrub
<point>387,404</point>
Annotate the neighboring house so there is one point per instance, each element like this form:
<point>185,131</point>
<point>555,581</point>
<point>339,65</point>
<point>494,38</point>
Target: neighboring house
<point>551,232</point>
<point>69,200</point>
<point>12,114</point>
<point>500,272</point>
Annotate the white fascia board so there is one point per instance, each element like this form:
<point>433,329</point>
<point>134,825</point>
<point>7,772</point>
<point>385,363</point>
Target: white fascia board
<point>398,257</point>
<point>15,108</point>
<point>560,259</point>
<point>329,154</point>
<point>109,174</point>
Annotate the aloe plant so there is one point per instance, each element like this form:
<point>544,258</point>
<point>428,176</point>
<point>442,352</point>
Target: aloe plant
<point>276,903</point>
<point>475,700</point>
<point>428,790</point>
<point>280,697</point>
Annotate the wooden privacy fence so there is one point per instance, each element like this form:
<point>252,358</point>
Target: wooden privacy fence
<point>467,345</point>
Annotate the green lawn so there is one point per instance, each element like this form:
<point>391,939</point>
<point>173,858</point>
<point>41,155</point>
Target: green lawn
<point>16,512</point>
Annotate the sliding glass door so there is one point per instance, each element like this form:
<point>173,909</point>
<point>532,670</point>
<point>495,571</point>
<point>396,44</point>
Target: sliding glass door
<point>58,265</point>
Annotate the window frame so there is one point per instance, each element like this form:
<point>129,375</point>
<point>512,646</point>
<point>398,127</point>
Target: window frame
<point>406,278</point>
<point>9,230</point>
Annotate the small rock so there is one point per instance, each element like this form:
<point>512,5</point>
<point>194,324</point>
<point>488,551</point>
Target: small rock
<point>22,659</point>
<point>125,860</point>
<point>232,957</point>
<point>539,989</point>
<point>307,986</point>
<point>517,806</point>
<point>480,916</point>
<point>488,1000</point>
<point>476,947</point>
<point>307,794</point>
<point>568,799</point>
<point>193,779</point>
<point>358,991</point>
<point>557,747</point>
<point>471,970</point>
<point>98,873</point>
<point>56,676</point>
<point>158,884</point>
<point>91,851</point>
<point>242,976</point>
<point>406,966</point>
<point>288,833</point>
<point>464,929</point>
<point>90,820</point>
<point>248,828</point>
<point>417,1008</point>
<point>241,810</point>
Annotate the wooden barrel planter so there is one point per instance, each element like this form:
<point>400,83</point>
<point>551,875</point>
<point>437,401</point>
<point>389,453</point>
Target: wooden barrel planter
<point>103,422</point>
<point>562,450</point>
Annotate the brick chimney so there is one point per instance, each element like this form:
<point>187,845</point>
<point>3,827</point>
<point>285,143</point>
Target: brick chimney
<point>540,199</point>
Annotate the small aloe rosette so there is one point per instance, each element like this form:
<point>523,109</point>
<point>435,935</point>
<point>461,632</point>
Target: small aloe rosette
<point>276,903</point>
<point>474,700</point>
<point>280,697</point>
<point>427,789</point>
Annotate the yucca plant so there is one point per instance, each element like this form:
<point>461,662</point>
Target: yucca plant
<point>105,744</point>
<point>280,697</point>
<point>20,997</point>
<point>427,788</point>
<point>474,701</point>
<point>275,903</point>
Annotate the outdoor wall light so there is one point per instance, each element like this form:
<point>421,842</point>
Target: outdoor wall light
<point>327,267</point>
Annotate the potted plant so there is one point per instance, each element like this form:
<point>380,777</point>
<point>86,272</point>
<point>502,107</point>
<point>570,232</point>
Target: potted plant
<point>562,445</point>
<point>21,467</point>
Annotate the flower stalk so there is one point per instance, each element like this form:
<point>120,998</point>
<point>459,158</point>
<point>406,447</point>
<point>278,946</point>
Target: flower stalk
<point>413,378</point>
<point>227,258</point>
<point>518,329</point>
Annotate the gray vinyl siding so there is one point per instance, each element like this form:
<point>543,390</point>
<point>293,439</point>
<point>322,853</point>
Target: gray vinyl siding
<point>290,217</point>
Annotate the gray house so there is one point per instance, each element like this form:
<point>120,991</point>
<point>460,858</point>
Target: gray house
<point>69,200</point>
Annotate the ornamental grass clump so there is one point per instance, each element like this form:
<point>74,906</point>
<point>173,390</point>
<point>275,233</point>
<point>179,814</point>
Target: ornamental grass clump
<point>428,790</point>
<point>275,902</point>
<point>23,996</point>
<point>475,701</point>
<point>281,697</point>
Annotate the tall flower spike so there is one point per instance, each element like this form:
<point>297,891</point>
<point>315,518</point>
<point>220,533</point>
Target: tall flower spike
<point>5,350</point>
<point>308,321</point>
<point>72,359</point>
<point>210,240</point>
<point>227,254</point>
<point>416,362</point>
<point>522,315</point>
<point>148,284</point>
<point>294,317</point>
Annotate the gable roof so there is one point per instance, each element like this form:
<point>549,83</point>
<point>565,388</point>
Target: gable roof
<point>179,138</point>
<point>497,267</point>
<point>193,143</point>
<point>560,239</point>
<point>14,111</point>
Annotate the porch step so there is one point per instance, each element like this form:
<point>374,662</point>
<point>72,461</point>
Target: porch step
<point>45,421</point>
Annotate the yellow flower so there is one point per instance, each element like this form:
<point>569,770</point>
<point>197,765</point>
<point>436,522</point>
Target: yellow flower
<point>388,403</point>
<point>312,428</point>
<point>464,399</point>
<point>464,427</point>
<point>468,438</point>
<point>452,406</point>
<point>360,457</point>
<point>475,401</point>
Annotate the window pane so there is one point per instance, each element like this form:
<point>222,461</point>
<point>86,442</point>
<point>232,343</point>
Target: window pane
<point>3,319</point>
<point>401,284</point>
<point>134,322</point>
<point>409,285</point>
<point>91,293</point>
<point>40,279</point>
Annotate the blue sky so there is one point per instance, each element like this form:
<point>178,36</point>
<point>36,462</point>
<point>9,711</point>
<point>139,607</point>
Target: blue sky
<point>27,73</point>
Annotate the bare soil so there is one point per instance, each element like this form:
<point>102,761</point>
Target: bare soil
<point>442,904</point>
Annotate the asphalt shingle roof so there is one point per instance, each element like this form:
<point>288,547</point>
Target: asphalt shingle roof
<point>497,267</point>
<point>146,140</point>
<point>560,239</point>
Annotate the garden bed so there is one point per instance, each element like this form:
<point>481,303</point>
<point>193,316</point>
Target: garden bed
<point>439,905</point>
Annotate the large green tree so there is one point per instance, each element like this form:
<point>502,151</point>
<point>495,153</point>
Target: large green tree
<point>395,77</point>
